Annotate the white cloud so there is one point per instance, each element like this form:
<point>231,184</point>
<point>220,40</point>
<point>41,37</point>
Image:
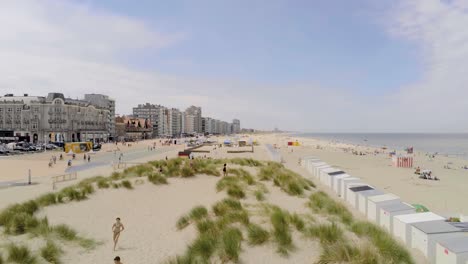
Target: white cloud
<point>69,47</point>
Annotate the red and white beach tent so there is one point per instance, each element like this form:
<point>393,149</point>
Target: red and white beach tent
<point>402,161</point>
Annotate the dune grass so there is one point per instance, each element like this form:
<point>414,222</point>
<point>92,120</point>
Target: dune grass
<point>231,244</point>
<point>1,259</point>
<point>157,179</point>
<point>257,235</point>
<point>51,252</point>
<point>103,184</point>
<point>289,181</point>
<point>20,255</point>
<point>281,232</point>
<point>387,246</point>
<point>326,233</point>
<point>259,195</point>
<point>320,202</point>
<point>234,186</point>
<point>127,184</point>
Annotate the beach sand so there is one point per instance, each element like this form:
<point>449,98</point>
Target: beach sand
<point>150,212</point>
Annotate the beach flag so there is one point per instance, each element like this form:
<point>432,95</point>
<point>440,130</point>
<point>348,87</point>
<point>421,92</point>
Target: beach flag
<point>402,161</point>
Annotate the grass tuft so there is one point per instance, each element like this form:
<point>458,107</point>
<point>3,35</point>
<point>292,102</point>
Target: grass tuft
<point>20,255</point>
<point>127,184</point>
<point>231,244</point>
<point>257,235</point>
<point>281,232</point>
<point>326,233</point>
<point>157,178</point>
<point>51,252</point>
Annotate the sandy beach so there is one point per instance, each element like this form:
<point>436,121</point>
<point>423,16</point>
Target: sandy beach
<point>150,212</point>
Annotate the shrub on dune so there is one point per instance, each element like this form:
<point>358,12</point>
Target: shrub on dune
<point>103,184</point>
<point>116,176</point>
<point>183,222</point>
<point>231,244</point>
<point>340,252</point>
<point>64,232</point>
<point>42,228</point>
<point>297,221</point>
<point>20,255</point>
<point>115,185</point>
<point>198,213</point>
<point>387,246</point>
<point>72,194</point>
<point>326,233</point>
<point>127,184</point>
<point>186,172</point>
<point>21,223</point>
<point>320,201</point>
<point>157,179</point>
<point>47,199</point>
<point>281,232</point>
<point>202,249</point>
<point>257,235</point>
<point>259,195</point>
<point>223,207</point>
<point>51,252</point>
<point>235,191</point>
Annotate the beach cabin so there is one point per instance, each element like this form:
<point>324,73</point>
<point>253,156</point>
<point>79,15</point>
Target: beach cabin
<point>375,202</point>
<point>351,185</point>
<point>337,182</point>
<point>425,235</point>
<point>352,194</point>
<point>344,185</point>
<point>402,224</point>
<point>316,170</point>
<point>362,199</point>
<point>311,165</point>
<point>452,250</point>
<point>388,211</point>
<point>327,175</point>
<point>305,160</point>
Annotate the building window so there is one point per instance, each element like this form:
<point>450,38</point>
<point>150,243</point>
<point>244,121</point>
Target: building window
<point>9,109</point>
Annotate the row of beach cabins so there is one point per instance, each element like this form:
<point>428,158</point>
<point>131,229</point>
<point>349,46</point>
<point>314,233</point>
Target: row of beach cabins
<point>441,241</point>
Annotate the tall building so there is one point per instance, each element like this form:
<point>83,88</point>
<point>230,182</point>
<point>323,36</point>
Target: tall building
<point>236,126</point>
<point>154,113</point>
<point>175,122</point>
<point>194,113</point>
<point>103,101</point>
<point>52,119</point>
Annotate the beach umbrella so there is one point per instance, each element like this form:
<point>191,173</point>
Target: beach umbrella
<point>70,153</point>
<point>420,208</point>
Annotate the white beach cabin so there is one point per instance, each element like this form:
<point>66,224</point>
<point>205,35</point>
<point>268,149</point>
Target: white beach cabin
<point>452,250</point>
<point>341,182</point>
<point>425,235</point>
<point>326,175</point>
<point>362,199</point>
<point>322,168</point>
<point>402,224</point>
<point>306,159</point>
<point>337,182</point>
<point>316,169</point>
<point>375,202</point>
<point>352,194</point>
<point>388,211</point>
<point>311,165</point>
<point>346,182</point>
<point>346,193</point>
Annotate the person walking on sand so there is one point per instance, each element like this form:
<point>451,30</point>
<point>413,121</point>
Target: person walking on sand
<point>225,169</point>
<point>89,158</point>
<point>117,228</point>
<point>117,260</point>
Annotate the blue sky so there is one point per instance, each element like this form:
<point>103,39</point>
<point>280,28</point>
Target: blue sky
<point>318,66</point>
<point>333,43</point>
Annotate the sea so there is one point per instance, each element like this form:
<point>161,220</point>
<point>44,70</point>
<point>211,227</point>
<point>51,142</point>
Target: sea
<point>452,145</point>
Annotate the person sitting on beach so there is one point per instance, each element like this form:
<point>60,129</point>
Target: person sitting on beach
<point>418,171</point>
<point>61,157</point>
<point>117,228</point>
<point>117,260</point>
<point>69,163</point>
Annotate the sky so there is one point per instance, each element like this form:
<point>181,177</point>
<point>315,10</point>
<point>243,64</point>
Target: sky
<point>302,65</point>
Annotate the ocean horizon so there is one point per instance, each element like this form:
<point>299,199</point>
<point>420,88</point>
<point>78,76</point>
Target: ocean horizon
<point>448,144</point>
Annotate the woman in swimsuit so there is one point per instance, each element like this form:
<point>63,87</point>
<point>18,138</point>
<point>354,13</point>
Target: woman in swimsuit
<point>116,229</point>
